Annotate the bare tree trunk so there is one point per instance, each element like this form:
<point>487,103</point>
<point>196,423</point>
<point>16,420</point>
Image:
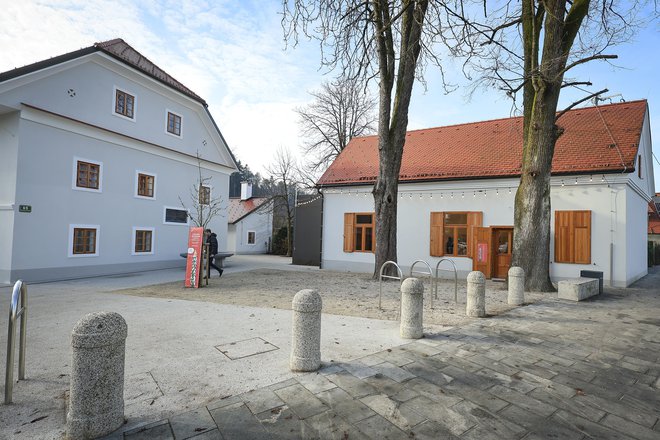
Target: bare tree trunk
<point>543,80</point>
<point>393,117</point>
<point>531,235</point>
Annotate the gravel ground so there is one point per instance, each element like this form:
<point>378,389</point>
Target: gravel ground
<point>352,294</point>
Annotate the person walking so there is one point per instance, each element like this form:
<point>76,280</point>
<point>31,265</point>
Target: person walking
<point>212,241</point>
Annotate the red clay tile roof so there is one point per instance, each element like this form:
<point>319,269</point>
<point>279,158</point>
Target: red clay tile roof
<point>239,209</point>
<point>654,218</point>
<point>116,48</point>
<point>493,148</point>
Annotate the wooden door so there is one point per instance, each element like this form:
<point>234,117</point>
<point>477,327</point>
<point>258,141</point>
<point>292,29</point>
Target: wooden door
<point>502,241</point>
<point>481,252</point>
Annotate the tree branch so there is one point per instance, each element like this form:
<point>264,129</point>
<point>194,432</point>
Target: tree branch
<point>561,113</point>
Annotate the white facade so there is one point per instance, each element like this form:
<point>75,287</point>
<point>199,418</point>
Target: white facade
<point>618,205</point>
<point>252,233</point>
<point>52,118</point>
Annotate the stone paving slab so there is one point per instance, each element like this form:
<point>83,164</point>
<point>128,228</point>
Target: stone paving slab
<point>545,371</point>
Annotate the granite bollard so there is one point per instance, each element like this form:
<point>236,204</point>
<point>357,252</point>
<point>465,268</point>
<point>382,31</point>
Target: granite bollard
<point>516,295</point>
<point>476,295</point>
<point>412,308</point>
<point>96,401</point>
<point>306,337</point>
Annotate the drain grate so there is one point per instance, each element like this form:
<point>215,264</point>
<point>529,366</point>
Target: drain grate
<point>245,348</point>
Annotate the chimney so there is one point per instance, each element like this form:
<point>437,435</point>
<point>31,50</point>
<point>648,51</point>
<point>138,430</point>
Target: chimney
<point>246,190</point>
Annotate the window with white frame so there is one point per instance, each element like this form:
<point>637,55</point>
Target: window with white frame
<point>84,240</point>
<point>145,185</point>
<point>143,240</point>
<point>124,104</point>
<point>251,237</point>
<point>173,124</point>
<point>87,175</point>
<point>204,195</point>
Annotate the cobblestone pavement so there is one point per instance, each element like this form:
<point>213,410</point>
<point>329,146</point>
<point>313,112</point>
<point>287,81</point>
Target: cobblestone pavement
<point>552,370</point>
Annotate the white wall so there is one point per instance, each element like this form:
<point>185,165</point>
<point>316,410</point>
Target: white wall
<point>636,237</point>
<point>93,79</point>
<point>9,124</point>
<point>46,160</point>
<point>608,206</point>
<point>261,222</point>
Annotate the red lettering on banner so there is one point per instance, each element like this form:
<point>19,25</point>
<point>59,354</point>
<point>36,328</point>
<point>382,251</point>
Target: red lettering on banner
<point>195,242</point>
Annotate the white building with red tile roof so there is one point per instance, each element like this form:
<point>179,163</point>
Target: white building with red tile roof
<point>250,227</point>
<point>98,148</point>
<point>456,196</point>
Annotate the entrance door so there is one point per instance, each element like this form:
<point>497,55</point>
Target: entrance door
<point>503,240</point>
<point>481,253</point>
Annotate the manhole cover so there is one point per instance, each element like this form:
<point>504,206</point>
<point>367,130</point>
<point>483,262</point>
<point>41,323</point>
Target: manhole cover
<point>248,347</point>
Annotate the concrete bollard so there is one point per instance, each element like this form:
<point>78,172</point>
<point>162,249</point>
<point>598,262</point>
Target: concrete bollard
<point>412,308</point>
<point>476,295</point>
<point>306,338</point>
<point>96,401</point>
<point>516,286</point>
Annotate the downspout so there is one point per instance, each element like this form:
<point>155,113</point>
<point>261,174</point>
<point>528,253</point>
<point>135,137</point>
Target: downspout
<point>321,237</point>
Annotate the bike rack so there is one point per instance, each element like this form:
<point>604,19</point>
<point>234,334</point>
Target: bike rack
<point>20,289</point>
<point>455,279</point>
<point>381,276</point>
<point>429,273</point>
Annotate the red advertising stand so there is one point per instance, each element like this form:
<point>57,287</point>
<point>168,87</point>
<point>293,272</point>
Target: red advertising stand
<point>194,261</point>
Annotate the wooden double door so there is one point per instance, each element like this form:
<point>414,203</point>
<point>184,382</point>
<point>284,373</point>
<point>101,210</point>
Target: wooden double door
<point>492,250</point>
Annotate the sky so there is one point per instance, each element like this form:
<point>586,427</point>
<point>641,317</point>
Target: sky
<point>233,54</point>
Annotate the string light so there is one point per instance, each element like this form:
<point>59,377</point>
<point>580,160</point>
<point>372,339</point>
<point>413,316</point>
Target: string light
<point>452,195</point>
<point>410,196</point>
<point>440,195</point>
<point>576,180</point>
<point>462,195</point>
<point>474,194</point>
<point>420,196</point>
<point>484,193</point>
<point>562,183</point>
<point>509,190</point>
<point>591,178</point>
<point>602,179</point>
<point>497,192</point>
<point>431,196</point>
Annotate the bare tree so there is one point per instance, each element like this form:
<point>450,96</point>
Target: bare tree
<point>388,40</point>
<point>281,189</point>
<point>530,47</point>
<point>204,206</point>
<point>342,109</point>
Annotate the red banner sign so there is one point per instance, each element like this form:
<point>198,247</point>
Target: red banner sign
<point>482,252</point>
<point>194,261</point>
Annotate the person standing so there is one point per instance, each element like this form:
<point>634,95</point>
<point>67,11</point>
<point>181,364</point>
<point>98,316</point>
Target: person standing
<point>212,241</point>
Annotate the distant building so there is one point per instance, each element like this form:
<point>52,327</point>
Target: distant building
<point>96,148</point>
<point>250,227</point>
<point>456,196</point>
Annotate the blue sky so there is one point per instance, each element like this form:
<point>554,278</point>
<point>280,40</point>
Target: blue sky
<point>232,53</point>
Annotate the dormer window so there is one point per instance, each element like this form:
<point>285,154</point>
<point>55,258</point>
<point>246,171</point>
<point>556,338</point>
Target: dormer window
<point>124,104</point>
<point>173,124</point>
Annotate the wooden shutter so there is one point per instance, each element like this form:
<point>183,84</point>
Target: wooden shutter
<point>474,219</point>
<point>573,237</point>
<point>563,245</point>
<point>437,228</point>
<point>582,236</point>
<point>349,221</point>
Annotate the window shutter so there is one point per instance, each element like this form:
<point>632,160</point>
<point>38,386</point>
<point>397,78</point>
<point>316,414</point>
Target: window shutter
<point>474,220</point>
<point>563,245</point>
<point>582,236</point>
<point>349,220</point>
<point>437,227</point>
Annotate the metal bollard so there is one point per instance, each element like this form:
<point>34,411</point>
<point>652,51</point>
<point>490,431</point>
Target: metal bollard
<point>516,295</point>
<point>96,401</point>
<point>412,309</point>
<point>306,337</point>
<point>476,295</point>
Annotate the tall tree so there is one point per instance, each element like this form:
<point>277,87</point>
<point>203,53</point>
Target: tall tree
<point>529,48</point>
<point>341,110</point>
<point>375,39</point>
<point>281,188</point>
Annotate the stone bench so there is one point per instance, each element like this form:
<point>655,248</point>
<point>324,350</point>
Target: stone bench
<point>577,289</point>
